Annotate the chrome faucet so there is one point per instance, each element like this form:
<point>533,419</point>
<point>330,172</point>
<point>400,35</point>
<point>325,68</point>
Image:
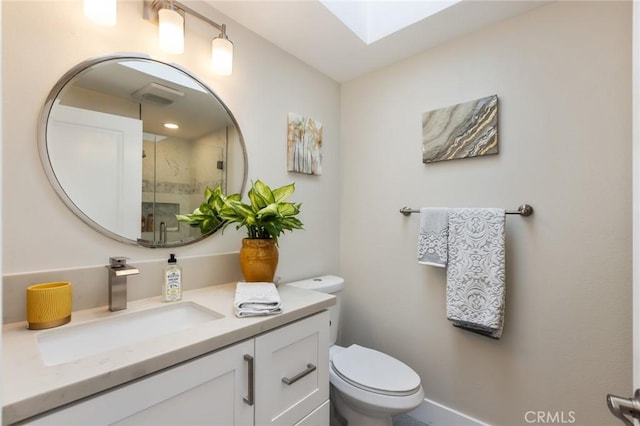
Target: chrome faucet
<point>118,273</point>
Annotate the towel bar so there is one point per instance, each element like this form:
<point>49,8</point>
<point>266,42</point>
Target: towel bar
<point>523,210</point>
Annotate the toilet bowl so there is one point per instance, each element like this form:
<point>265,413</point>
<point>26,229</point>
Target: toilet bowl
<point>368,387</point>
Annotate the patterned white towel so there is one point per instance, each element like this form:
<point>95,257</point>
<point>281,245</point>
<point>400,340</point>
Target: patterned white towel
<point>432,238</point>
<point>253,299</point>
<point>476,270</point>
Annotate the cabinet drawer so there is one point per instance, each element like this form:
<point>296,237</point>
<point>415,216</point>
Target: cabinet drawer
<point>292,371</point>
<point>320,417</point>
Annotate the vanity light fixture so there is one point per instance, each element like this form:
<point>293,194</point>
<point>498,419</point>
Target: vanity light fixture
<point>221,46</point>
<point>102,12</point>
<point>171,29</point>
<point>222,53</point>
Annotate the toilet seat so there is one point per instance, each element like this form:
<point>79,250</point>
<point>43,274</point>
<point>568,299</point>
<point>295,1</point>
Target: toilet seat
<point>375,372</point>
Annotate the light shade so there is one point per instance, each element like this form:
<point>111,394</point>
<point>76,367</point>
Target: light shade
<point>171,31</point>
<point>222,56</point>
<point>102,12</point>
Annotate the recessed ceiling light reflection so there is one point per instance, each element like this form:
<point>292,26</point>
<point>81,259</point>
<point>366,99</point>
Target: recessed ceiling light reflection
<point>171,126</point>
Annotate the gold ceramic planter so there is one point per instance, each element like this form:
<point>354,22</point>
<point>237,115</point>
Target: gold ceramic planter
<point>258,260</point>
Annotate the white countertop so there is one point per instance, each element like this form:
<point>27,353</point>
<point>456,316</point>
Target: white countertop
<point>30,387</point>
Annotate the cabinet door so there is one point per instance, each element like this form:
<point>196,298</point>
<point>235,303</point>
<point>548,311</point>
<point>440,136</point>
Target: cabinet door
<point>209,390</point>
<point>292,376</point>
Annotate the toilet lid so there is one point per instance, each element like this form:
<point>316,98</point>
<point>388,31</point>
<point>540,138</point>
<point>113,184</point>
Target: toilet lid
<point>375,371</point>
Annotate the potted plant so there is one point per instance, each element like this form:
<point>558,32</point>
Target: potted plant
<point>266,217</point>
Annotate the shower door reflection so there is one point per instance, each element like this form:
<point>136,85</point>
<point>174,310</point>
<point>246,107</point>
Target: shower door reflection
<point>175,173</point>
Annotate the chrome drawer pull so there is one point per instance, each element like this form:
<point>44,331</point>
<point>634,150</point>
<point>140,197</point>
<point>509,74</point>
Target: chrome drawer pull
<point>249,398</point>
<point>310,368</point>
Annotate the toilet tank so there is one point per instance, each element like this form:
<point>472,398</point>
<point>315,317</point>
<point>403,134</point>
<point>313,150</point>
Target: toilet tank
<point>326,284</point>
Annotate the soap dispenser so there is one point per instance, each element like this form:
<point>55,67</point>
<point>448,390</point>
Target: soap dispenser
<point>172,286</point>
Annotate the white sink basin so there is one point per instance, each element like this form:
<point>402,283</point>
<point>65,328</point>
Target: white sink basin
<point>71,343</point>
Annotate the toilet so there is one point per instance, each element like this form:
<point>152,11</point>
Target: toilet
<point>368,387</point>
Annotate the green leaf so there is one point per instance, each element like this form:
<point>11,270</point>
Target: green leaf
<point>288,209</point>
<point>184,217</point>
<point>264,192</point>
<point>257,202</point>
<point>239,208</point>
<point>273,231</point>
<point>270,210</point>
<point>206,209</point>
<point>282,193</point>
<point>208,194</point>
<point>292,223</point>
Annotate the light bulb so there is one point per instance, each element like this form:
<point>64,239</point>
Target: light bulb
<point>222,56</point>
<point>171,31</point>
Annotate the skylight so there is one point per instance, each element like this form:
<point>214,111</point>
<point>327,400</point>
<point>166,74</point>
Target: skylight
<point>163,72</point>
<point>372,20</point>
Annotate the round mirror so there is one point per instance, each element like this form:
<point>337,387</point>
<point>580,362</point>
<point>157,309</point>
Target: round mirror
<point>129,142</point>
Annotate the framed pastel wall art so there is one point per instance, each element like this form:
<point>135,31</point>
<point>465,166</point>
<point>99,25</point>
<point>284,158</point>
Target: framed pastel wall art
<point>304,145</point>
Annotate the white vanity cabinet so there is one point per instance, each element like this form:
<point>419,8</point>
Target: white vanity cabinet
<point>279,377</point>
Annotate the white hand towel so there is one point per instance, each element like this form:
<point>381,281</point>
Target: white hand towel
<point>432,238</point>
<point>253,299</point>
<point>476,270</point>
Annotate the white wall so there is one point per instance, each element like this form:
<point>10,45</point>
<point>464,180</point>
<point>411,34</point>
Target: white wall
<point>562,73</point>
<point>43,39</point>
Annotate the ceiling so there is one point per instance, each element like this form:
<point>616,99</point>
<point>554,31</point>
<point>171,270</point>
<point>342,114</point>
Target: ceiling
<point>309,31</point>
<point>163,93</point>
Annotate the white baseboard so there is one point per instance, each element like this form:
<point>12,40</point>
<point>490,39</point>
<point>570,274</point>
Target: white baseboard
<point>435,414</point>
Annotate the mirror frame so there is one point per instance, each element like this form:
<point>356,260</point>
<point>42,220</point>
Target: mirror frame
<point>43,147</point>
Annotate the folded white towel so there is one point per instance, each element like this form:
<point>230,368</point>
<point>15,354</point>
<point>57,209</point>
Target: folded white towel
<point>476,270</point>
<point>432,238</point>
<point>259,298</point>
